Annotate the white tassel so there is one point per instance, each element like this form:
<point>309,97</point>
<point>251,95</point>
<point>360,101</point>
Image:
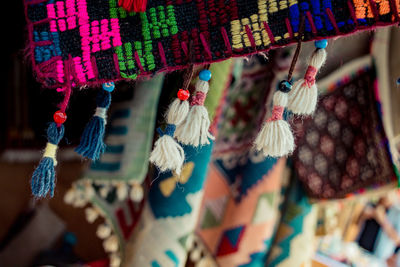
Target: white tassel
<point>167,153</point>
<point>195,129</point>
<point>275,138</point>
<point>304,95</point>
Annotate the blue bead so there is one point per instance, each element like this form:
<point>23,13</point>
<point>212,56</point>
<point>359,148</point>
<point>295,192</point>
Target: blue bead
<point>205,75</point>
<point>398,81</point>
<point>285,86</point>
<point>321,44</point>
<point>109,87</point>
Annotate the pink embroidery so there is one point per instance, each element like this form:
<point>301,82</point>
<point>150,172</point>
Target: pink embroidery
<point>51,13</point>
<point>79,69</point>
<point>71,22</point>
<point>277,114</point>
<point>198,99</point>
<point>309,77</point>
<point>104,37</point>
<point>115,32</point>
<point>60,71</point>
<point>95,35</point>
<point>53,26</point>
<point>138,62</point>
<point>250,36</point>
<point>60,9</point>
<point>226,40</point>
<point>62,25</point>
<point>162,54</point>
<point>70,4</point>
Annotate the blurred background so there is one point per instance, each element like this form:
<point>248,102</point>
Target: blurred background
<point>50,232</point>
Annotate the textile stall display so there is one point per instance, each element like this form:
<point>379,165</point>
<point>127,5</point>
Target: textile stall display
<point>235,142</point>
<point>239,210</point>
<point>74,43</point>
<point>339,144</point>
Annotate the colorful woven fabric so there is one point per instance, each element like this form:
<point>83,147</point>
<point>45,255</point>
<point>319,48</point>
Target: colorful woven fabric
<point>240,233</point>
<point>169,215</point>
<point>171,210</point>
<point>241,120</point>
<point>292,245</point>
<point>240,206</point>
<point>95,41</point>
<point>108,184</point>
<point>130,136</point>
<point>343,148</point>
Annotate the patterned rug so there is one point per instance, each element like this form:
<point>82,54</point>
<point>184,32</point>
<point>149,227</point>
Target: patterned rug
<point>112,186</point>
<point>94,41</point>
<point>239,213</point>
<point>166,226</point>
<point>343,149</point>
<point>240,233</point>
<point>294,238</point>
<point>170,214</point>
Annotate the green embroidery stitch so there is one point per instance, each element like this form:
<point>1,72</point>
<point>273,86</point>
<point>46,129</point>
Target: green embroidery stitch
<point>157,22</point>
<point>147,52</point>
<point>125,60</point>
<point>163,21</point>
<point>114,9</point>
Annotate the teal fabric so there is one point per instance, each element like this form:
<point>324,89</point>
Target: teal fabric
<point>176,204</point>
<point>295,211</point>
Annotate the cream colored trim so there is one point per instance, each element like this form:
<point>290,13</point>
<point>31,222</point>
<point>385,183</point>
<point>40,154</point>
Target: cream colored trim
<point>348,68</point>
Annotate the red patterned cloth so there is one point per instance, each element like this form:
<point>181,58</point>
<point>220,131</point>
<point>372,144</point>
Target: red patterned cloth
<point>343,148</point>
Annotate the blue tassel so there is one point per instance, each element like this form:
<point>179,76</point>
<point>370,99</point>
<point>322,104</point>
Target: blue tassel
<point>43,178</point>
<point>92,143</point>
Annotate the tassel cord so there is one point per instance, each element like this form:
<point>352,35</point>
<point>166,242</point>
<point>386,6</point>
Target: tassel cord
<point>298,49</point>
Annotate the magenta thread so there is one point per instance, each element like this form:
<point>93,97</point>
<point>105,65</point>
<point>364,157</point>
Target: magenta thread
<point>277,113</point>
<point>198,99</point>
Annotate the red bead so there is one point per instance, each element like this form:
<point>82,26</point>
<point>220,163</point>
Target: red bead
<point>59,117</point>
<point>183,94</point>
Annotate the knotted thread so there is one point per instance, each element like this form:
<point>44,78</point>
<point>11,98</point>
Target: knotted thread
<point>169,130</point>
<point>50,152</point>
<point>277,113</point>
<point>309,77</point>
<point>198,99</point>
<point>101,113</point>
